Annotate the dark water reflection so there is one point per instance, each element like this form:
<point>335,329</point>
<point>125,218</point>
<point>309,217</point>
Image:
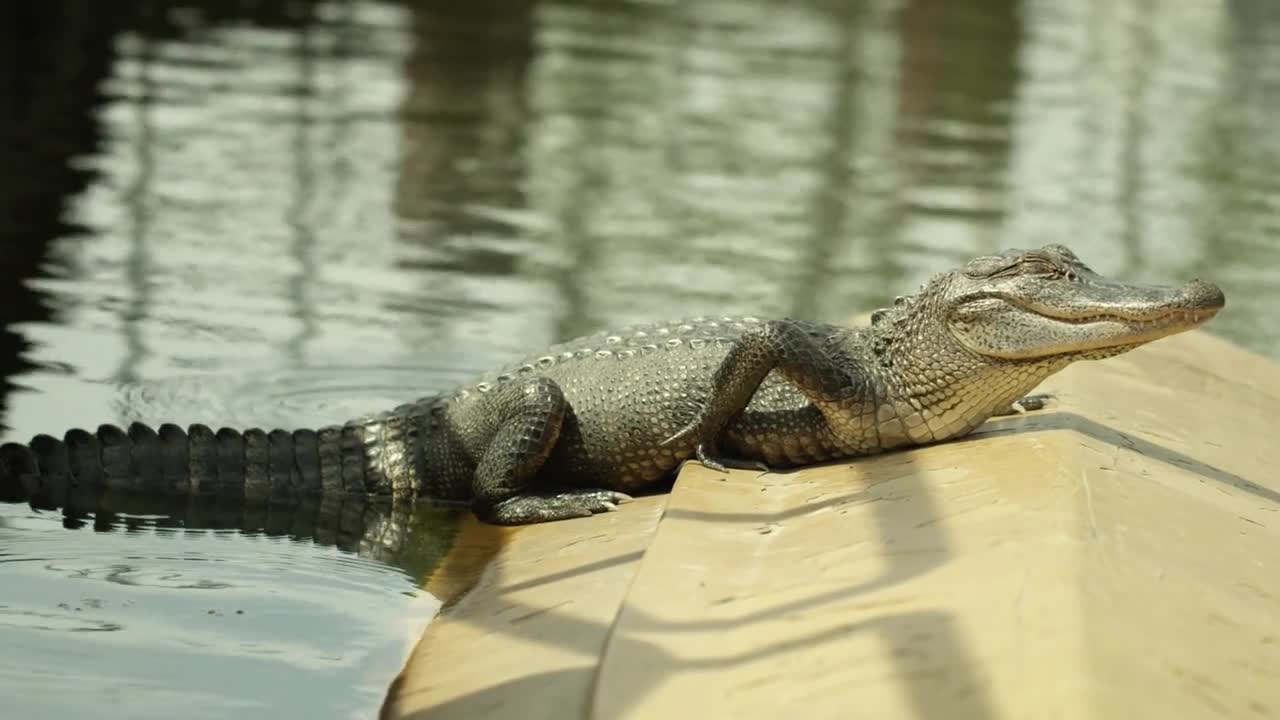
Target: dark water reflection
<point>268,213</point>
<point>150,609</point>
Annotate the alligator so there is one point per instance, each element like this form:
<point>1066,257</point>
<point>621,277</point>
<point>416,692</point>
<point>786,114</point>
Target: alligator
<point>586,424</point>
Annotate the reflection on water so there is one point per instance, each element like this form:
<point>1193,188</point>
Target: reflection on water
<point>279,214</point>
<point>163,609</point>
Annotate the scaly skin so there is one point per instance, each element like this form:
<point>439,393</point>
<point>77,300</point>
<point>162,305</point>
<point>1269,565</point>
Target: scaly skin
<point>574,430</point>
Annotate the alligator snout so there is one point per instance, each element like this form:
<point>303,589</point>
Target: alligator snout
<point>1202,295</point>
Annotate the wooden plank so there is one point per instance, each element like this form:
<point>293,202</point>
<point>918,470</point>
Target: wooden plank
<point>525,641</point>
<point>1115,556</point>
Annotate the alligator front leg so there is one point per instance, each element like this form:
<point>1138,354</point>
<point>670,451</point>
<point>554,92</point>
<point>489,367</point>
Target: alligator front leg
<point>781,345</point>
<point>529,419</point>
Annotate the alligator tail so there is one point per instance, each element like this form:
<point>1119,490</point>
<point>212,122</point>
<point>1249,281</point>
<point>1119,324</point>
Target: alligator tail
<point>252,465</point>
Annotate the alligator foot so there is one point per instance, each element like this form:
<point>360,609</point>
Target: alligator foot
<point>708,452</point>
<point>709,455</point>
<point>1026,404</point>
<point>547,506</point>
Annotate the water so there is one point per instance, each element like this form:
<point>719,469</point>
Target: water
<point>152,619</point>
<point>287,213</point>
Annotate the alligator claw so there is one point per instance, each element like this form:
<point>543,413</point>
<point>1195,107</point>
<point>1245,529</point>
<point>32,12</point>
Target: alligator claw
<point>683,435</point>
<point>1027,404</point>
<point>1034,402</point>
<point>709,455</point>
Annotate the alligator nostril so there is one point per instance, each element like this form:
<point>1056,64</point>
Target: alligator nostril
<point>1205,294</point>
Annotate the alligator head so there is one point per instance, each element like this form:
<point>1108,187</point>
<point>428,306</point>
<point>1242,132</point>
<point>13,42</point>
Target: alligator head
<point>1000,324</point>
<point>1033,304</point>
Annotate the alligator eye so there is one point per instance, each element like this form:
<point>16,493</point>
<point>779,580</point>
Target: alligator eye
<point>1036,266</point>
<point>1062,251</point>
<point>989,266</point>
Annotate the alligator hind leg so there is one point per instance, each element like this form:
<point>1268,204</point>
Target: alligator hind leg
<point>530,415</point>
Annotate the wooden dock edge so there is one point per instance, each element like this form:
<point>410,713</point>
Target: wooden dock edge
<point>1114,555</point>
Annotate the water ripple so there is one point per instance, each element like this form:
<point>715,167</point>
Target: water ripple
<point>282,397</point>
<point>29,619</point>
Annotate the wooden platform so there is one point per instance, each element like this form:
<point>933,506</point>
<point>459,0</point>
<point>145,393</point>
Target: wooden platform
<point>1115,555</point>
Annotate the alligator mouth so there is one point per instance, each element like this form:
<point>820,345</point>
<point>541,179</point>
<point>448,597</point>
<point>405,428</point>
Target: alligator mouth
<point>1136,307</point>
<point>1087,318</point>
<point>1172,316</point>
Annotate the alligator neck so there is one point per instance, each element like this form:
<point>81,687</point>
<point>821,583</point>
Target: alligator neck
<point>929,387</point>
